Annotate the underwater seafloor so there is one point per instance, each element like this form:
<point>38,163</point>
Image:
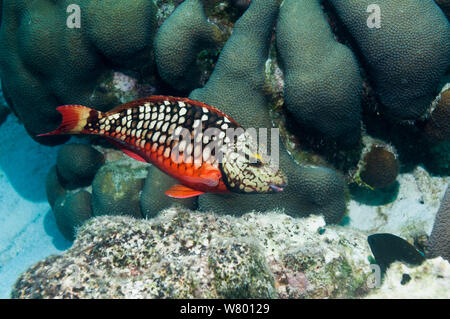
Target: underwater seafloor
<point>363,108</point>
<point>29,231</point>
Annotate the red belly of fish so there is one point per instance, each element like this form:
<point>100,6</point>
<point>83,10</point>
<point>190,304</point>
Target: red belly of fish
<point>189,174</point>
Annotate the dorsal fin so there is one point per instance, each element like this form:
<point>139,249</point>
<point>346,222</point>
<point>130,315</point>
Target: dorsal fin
<point>160,98</point>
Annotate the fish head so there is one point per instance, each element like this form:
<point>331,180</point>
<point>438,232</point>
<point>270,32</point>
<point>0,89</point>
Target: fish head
<point>246,171</point>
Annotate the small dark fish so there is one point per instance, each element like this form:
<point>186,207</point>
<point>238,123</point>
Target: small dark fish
<point>388,248</point>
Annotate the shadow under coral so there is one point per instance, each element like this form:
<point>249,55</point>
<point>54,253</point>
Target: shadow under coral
<point>52,231</point>
<point>24,162</point>
<point>376,197</point>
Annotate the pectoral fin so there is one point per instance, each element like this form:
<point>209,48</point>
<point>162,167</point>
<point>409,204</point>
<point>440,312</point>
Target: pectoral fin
<point>181,191</point>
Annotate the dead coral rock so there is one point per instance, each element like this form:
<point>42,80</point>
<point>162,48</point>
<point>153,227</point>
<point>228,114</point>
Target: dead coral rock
<point>185,254</point>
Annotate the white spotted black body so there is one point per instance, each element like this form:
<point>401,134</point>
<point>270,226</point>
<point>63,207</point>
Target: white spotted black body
<point>182,138</point>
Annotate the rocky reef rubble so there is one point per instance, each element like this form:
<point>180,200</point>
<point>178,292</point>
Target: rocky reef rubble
<point>185,254</point>
<point>429,280</point>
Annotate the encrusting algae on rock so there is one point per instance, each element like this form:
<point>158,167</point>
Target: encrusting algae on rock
<point>184,254</point>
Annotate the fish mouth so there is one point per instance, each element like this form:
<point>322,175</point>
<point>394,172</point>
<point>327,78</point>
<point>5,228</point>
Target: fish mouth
<point>277,188</point>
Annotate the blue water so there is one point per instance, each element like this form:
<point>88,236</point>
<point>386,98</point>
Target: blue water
<point>29,231</point>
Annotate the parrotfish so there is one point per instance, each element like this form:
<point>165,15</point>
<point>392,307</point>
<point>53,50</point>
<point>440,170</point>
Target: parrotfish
<point>149,130</point>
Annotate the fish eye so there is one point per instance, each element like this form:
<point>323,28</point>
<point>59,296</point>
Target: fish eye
<point>258,163</point>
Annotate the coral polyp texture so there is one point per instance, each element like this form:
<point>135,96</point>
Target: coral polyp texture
<point>71,211</point>
<point>427,281</point>
<point>357,90</point>
<point>53,186</point>
<point>78,163</point>
<point>179,41</point>
<point>406,56</point>
<point>323,86</point>
<point>44,63</point>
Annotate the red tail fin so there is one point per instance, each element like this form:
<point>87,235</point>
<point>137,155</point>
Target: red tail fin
<point>74,118</point>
